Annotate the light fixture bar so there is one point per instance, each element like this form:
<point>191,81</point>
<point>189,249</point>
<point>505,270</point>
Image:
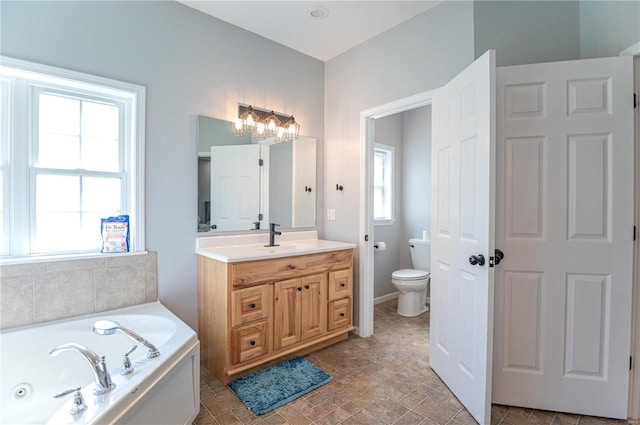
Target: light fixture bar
<point>263,123</point>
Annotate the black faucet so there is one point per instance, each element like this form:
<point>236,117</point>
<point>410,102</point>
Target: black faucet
<point>272,234</point>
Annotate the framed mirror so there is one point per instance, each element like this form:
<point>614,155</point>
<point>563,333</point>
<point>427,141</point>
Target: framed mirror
<point>245,185</point>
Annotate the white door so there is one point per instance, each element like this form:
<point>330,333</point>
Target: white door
<point>463,149</point>
<point>235,177</point>
<point>564,221</point>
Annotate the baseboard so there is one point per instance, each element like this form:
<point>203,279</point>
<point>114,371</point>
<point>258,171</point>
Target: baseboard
<point>384,298</point>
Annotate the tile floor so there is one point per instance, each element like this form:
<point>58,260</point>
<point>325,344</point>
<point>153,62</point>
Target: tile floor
<point>384,379</point>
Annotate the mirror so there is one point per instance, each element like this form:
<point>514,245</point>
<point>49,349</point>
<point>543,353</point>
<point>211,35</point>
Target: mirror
<point>245,185</point>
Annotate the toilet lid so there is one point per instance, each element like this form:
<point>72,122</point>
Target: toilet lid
<point>409,274</point>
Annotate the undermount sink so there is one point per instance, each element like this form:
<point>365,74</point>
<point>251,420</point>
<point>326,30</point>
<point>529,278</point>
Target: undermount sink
<point>238,248</point>
<point>285,247</point>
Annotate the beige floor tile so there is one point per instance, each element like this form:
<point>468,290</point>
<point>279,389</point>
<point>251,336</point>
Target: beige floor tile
<point>383,379</point>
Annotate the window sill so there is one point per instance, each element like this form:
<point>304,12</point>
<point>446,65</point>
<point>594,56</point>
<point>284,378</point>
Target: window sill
<point>390,222</point>
<point>66,257</point>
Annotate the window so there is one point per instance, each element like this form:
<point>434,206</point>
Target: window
<point>72,153</point>
<point>383,184</point>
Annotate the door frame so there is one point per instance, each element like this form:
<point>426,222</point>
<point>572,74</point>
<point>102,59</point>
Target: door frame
<point>634,380</point>
<point>367,139</point>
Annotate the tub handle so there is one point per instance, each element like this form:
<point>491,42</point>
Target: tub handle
<point>78,401</point>
<point>127,368</point>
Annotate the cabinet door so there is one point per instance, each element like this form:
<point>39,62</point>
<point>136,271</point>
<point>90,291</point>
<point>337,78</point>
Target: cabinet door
<point>287,307</point>
<point>314,311</point>
<point>249,342</point>
<point>339,313</point>
<point>340,283</point>
<point>249,304</point>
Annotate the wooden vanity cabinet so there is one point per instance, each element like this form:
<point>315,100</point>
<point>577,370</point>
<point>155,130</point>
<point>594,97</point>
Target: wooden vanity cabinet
<point>254,313</point>
<point>300,310</point>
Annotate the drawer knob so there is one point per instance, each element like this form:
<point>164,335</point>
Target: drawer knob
<point>299,288</point>
<point>341,314</point>
<point>252,342</point>
<point>342,284</point>
<point>306,286</point>
<point>253,305</point>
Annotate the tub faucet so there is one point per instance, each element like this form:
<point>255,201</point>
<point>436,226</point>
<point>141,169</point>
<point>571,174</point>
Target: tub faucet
<point>98,364</point>
<point>109,327</point>
<point>272,234</point>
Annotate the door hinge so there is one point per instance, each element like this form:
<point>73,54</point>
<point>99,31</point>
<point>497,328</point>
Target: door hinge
<point>260,217</point>
<point>634,232</point>
<point>366,238</point>
<point>635,101</point>
<point>260,162</point>
<point>630,362</point>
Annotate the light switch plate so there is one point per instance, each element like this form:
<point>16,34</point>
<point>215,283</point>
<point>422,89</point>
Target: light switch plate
<point>331,214</point>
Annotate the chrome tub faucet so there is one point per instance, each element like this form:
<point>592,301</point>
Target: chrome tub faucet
<point>109,327</point>
<point>98,365</point>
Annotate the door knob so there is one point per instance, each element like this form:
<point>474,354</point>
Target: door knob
<point>499,256</point>
<point>479,260</point>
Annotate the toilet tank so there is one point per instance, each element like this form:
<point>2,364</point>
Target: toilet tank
<point>420,254</point>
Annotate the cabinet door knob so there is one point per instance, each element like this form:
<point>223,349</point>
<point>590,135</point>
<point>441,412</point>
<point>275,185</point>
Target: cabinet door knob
<point>299,288</point>
<point>341,314</point>
<point>342,284</point>
<point>252,342</point>
<point>306,286</point>
<point>253,305</point>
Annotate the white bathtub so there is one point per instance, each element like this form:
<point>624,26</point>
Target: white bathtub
<point>162,390</point>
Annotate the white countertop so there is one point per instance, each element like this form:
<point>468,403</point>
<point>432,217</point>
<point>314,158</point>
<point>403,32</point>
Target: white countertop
<point>238,248</point>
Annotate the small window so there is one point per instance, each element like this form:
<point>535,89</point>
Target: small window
<point>84,160</point>
<point>383,184</point>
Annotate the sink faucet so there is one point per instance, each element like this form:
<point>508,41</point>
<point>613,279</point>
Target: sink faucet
<point>272,234</point>
<point>98,364</point>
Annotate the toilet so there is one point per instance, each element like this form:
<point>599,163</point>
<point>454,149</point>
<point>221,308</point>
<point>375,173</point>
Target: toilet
<point>412,284</point>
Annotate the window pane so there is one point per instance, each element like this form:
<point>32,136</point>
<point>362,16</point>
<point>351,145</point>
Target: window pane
<point>59,115</point>
<point>2,247</point>
<point>99,121</point>
<point>58,151</point>
<point>56,193</point>
<point>101,195</point>
<point>100,155</point>
<point>57,232</point>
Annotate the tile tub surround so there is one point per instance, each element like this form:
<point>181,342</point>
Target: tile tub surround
<point>50,290</point>
<point>384,379</point>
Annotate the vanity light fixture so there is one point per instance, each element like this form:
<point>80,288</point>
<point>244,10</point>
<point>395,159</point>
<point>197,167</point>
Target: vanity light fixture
<point>263,123</point>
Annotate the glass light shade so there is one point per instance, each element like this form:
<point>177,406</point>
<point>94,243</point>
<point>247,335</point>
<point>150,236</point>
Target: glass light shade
<point>237,128</point>
<point>272,123</point>
<point>261,131</point>
<point>281,135</point>
<point>250,120</point>
<point>292,128</point>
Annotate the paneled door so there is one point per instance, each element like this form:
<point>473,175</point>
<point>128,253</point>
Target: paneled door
<point>463,150</point>
<point>235,177</point>
<point>564,220</point>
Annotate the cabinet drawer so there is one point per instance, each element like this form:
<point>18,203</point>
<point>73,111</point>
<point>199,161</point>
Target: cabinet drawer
<point>250,304</point>
<point>339,314</point>
<point>340,283</point>
<point>265,271</point>
<point>249,342</point>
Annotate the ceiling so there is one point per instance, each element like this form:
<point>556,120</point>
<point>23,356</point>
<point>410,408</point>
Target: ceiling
<point>345,24</point>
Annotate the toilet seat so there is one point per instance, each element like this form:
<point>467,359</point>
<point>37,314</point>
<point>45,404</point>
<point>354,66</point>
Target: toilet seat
<point>409,274</point>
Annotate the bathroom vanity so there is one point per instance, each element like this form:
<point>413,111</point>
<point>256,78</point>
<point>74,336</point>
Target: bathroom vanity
<point>258,305</point>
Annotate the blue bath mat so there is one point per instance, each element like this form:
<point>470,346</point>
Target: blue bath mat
<point>279,384</point>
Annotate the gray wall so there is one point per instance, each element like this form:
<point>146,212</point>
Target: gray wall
<point>421,54</point>
<point>191,64</point>
<point>388,131</point>
<point>416,174</point>
<point>412,177</point>
<point>527,31</point>
<point>608,27</point>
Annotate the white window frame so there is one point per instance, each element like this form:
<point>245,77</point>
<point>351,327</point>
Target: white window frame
<point>389,182</point>
<point>27,79</point>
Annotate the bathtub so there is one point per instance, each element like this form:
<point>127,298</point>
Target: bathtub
<point>161,390</point>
